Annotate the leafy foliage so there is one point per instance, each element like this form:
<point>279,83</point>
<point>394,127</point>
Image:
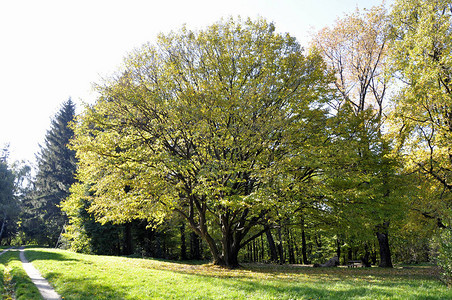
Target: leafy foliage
<point>239,135</point>
<point>199,124</point>
<point>355,49</point>
<point>360,168</point>
<point>421,57</point>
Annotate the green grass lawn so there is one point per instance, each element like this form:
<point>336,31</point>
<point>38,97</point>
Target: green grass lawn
<point>14,280</point>
<point>78,276</point>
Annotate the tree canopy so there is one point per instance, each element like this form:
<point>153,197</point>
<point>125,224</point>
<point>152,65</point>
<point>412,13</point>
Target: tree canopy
<point>421,56</point>
<point>200,123</point>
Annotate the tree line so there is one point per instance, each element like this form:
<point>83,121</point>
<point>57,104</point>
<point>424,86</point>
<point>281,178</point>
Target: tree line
<point>234,143</point>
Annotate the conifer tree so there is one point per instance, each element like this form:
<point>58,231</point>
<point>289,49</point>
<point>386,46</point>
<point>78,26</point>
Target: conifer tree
<point>56,165</point>
<point>8,206</point>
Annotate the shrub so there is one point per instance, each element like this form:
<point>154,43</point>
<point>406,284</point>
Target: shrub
<point>445,255</point>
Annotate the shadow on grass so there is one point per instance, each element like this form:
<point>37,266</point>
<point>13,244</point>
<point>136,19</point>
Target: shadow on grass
<point>83,288</point>
<point>300,292</point>
<point>341,273</point>
<point>32,254</point>
<point>327,290</point>
<point>177,262</point>
<point>429,272</point>
<point>72,286</point>
<point>278,271</point>
<point>336,283</point>
<point>251,280</point>
<point>22,285</point>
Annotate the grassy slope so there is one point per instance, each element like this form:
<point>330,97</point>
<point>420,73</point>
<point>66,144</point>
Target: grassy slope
<point>78,276</point>
<point>14,278</point>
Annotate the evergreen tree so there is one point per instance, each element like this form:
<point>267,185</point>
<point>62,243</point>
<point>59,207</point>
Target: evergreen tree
<point>56,165</point>
<point>8,203</point>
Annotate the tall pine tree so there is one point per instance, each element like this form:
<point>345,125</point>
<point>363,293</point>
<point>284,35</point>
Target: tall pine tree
<point>8,201</point>
<point>56,165</point>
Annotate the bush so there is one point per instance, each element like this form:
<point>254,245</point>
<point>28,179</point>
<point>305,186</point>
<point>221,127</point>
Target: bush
<point>445,255</point>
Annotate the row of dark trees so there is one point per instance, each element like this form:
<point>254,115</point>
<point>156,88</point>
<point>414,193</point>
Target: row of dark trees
<point>31,201</point>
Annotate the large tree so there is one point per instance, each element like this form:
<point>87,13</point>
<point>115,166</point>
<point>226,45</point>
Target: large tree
<point>198,124</point>
<point>360,170</point>
<point>355,49</point>
<point>422,58</point>
<point>56,166</point>
<point>8,202</point>
<point>421,55</point>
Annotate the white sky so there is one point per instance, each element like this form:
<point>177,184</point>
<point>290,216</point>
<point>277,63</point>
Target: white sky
<point>53,50</point>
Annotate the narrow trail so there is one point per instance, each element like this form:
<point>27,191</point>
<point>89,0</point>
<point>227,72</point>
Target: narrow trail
<point>46,290</point>
<point>6,250</point>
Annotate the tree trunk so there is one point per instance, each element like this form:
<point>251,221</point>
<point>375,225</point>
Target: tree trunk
<point>271,245</point>
<point>195,252</point>
<point>201,229</point>
<point>150,242</point>
<point>303,244</point>
<point>255,252</point>
<point>234,234</point>
<point>290,247</point>
<point>183,246</point>
<point>350,254</point>
<point>280,246</point>
<point>318,241</point>
<point>158,246</point>
<point>3,227</point>
<point>127,247</point>
<point>229,257</point>
<point>365,259</point>
<point>383,241</point>
<point>218,259</point>
<point>374,254</point>
<point>232,231</point>
<point>338,249</point>
<point>118,244</point>
<point>298,260</point>
<point>230,245</point>
<point>248,253</point>
<point>164,247</point>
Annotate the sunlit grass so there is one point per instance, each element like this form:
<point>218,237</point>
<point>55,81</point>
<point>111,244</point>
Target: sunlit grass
<point>2,283</point>
<point>15,280</point>
<point>78,276</point>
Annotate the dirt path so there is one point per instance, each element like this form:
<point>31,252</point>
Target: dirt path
<point>46,290</point>
<point>6,250</point>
